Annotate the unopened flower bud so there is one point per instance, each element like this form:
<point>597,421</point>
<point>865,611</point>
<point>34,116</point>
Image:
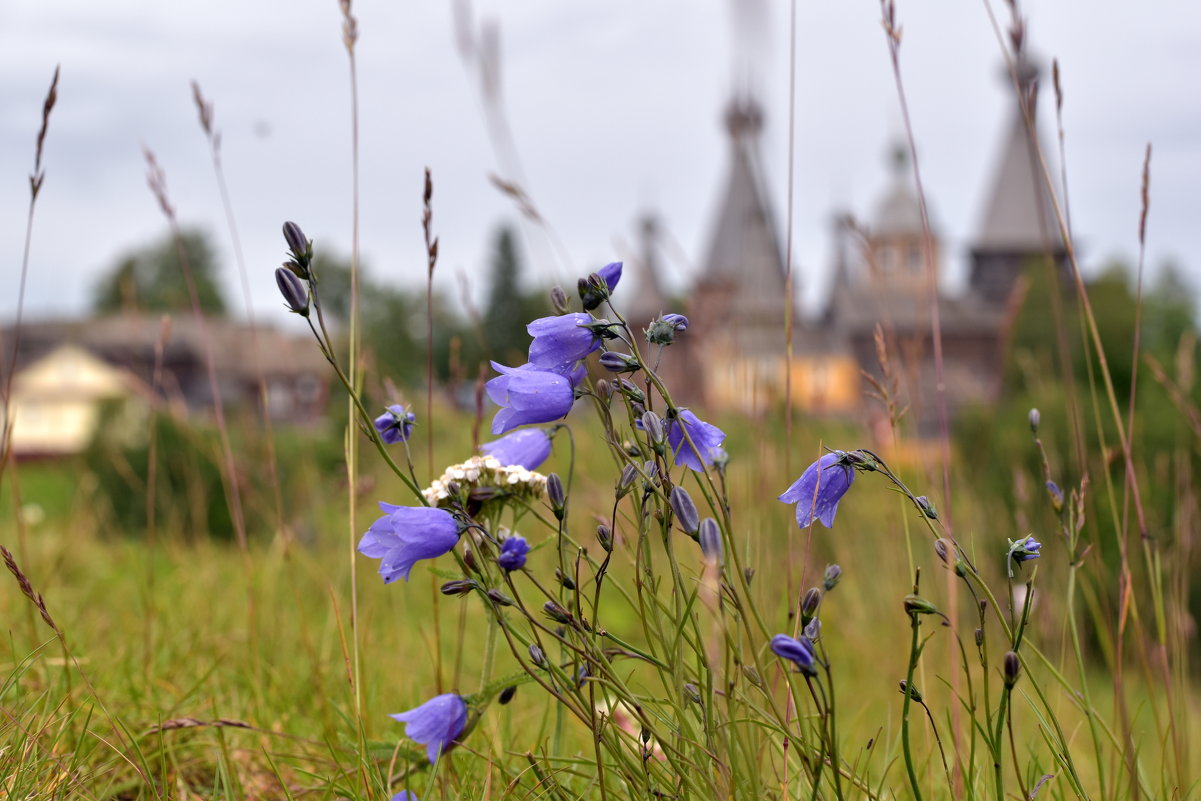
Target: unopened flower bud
<point>558,299</point>
<point>537,656</point>
<point>564,579</point>
<point>604,389</point>
<point>752,675</point>
<point>1056,495</point>
<point>945,550</point>
<point>296,295</point>
<point>556,495</point>
<point>979,634</point>
<point>663,330</point>
<point>506,695</point>
<point>605,537</point>
<point>809,604</point>
<point>628,474</point>
<point>927,508</point>
<point>556,612</point>
<point>469,560</point>
<point>1035,419</point>
<point>911,691</point>
<point>458,587</point>
<point>616,362</point>
<point>652,424</point>
<point>709,538</point>
<point>748,574</point>
<point>499,597</point>
<point>302,248</point>
<point>692,693</point>
<point>1011,668</point>
<point>631,391</point>
<point>686,513</point>
<point>915,604</point>
<point>813,629</point>
<point>832,577</point>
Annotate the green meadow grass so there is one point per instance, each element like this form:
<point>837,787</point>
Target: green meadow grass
<point>193,669</point>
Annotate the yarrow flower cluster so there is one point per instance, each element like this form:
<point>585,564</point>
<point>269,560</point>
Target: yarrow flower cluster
<point>486,478</point>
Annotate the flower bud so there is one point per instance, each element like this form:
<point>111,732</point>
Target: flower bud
<point>917,605</point>
<point>296,295</point>
<point>927,508</point>
<point>556,612</point>
<point>537,656</point>
<point>809,604</point>
<point>605,537</point>
<point>652,424</point>
<point>944,549</point>
<point>458,587</point>
<point>686,513</point>
<point>1056,495</point>
<point>979,634</point>
<point>1011,668</point>
<point>813,629</point>
<point>499,597</point>
<point>556,495</point>
<point>564,579</point>
<point>628,474</point>
<point>558,299</point>
<point>631,391</point>
<point>1035,419</point>
<point>710,539</point>
<point>593,291</point>
<point>506,695</point>
<point>604,390</point>
<point>752,675</point>
<point>663,330</point>
<point>911,691</point>
<point>832,577</point>
<point>302,248</point>
<point>692,693</point>
<point>748,574</point>
<point>616,362</point>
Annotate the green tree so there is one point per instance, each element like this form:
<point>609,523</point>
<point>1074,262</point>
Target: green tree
<point>151,278</point>
<point>509,308</point>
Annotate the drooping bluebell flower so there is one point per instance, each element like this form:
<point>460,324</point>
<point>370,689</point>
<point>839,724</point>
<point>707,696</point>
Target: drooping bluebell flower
<point>436,724</point>
<point>1023,550</point>
<point>512,553</point>
<point>561,340</point>
<point>706,438</point>
<point>395,424</point>
<point>709,537</point>
<point>799,652</point>
<point>405,795</point>
<point>819,489</point>
<point>526,448</point>
<point>407,534</point>
<point>528,395</point>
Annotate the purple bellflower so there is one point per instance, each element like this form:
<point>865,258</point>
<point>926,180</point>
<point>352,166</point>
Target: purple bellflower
<point>799,652</point>
<point>395,424</point>
<point>407,534</point>
<point>561,340</point>
<point>405,795</point>
<point>611,274</point>
<point>512,553</point>
<point>436,724</point>
<point>819,489</point>
<point>526,448</point>
<point>528,395</point>
<point>1023,550</point>
<point>707,439</point>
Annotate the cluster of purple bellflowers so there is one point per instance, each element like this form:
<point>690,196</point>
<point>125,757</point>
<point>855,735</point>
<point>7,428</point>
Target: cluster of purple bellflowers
<point>543,390</point>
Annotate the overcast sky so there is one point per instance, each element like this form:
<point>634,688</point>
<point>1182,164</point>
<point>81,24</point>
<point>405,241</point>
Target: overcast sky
<point>614,107</point>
